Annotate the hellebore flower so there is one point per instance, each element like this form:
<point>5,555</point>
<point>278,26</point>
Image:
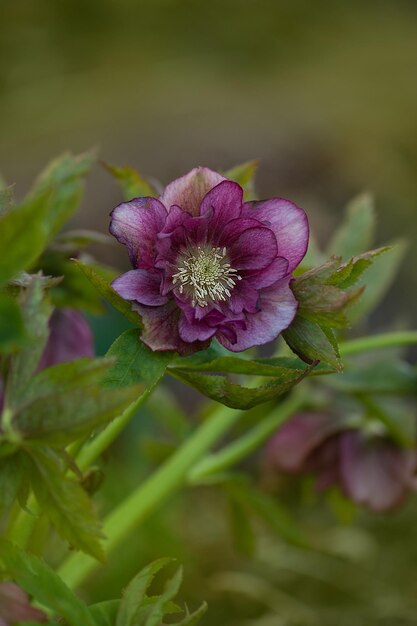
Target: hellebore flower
<point>15,606</point>
<point>70,338</point>
<point>371,469</point>
<point>206,264</point>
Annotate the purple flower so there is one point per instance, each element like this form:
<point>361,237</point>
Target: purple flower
<point>206,264</point>
<point>371,470</point>
<point>15,606</point>
<point>70,338</point>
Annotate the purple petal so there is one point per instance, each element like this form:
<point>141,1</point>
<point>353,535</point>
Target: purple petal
<point>189,190</point>
<point>195,330</point>
<point>269,275</point>
<point>223,203</point>
<point>244,297</point>
<point>136,225</point>
<point>70,338</point>
<point>160,330</point>
<point>277,310</point>
<point>254,249</point>
<point>375,472</point>
<point>144,286</point>
<point>289,223</point>
<point>295,441</point>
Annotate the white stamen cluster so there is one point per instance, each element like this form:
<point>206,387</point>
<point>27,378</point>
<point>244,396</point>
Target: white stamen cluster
<point>206,275</point>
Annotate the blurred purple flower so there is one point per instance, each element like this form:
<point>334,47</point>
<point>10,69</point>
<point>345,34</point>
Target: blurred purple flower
<point>15,606</point>
<point>371,470</point>
<point>70,338</point>
<point>206,264</point>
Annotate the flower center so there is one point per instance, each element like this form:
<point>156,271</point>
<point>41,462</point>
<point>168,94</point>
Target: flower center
<point>205,275</point>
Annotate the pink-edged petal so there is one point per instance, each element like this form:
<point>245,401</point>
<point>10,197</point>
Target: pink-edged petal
<point>254,249</point>
<point>194,330</point>
<point>144,286</point>
<point>136,225</point>
<point>189,190</point>
<point>289,223</point>
<point>70,337</point>
<point>277,310</point>
<point>375,472</point>
<point>289,449</point>
<point>160,329</point>
<point>223,203</point>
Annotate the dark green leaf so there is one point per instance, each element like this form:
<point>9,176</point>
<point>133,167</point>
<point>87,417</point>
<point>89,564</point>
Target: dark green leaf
<point>219,388</point>
<point>63,416</point>
<point>133,184</point>
<point>134,594</point>
<point>357,231</point>
<point>65,178</point>
<point>41,582</point>
<point>243,175</point>
<point>11,476</point>
<point>65,503</point>
<point>349,273</point>
<point>271,366</point>
<point>312,343</point>
<point>36,310</point>
<point>106,290</point>
<point>135,362</point>
<point>12,329</point>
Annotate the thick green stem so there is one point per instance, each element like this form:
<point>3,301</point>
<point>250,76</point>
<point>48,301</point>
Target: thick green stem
<point>376,342</point>
<point>248,443</point>
<point>151,493</point>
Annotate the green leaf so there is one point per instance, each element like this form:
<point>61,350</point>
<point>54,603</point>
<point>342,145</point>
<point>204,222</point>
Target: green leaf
<point>135,362</point>
<point>378,280</point>
<point>65,503</point>
<point>108,293</point>
<point>158,610</point>
<point>11,477</point>
<point>104,613</point>
<point>23,233</point>
<point>219,388</point>
<point>312,343</point>
<point>71,410</point>
<point>12,329</point>
<point>133,184</point>
<point>244,174</point>
<point>270,366</point>
<point>36,311</point>
<point>64,177</point>
<point>41,582</point>
<point>349,273</point>
<point>356,234</point>
<point>134,594</point>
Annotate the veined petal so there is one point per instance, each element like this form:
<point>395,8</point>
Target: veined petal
<point>254,249</point>
<point>277,310</point>
<point>289,223</point>
<point>223,203</point>
<point>136,225</point>
<point>194,330</point>
<point>144,286</point>
<point>189,190</point>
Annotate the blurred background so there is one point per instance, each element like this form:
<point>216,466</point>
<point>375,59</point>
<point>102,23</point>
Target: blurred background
<point>324,94</point>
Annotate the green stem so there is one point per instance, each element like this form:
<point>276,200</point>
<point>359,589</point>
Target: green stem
<point>91,451</point>
<point>248,443</point>
<point>151,493</point>
<point>376,342</point>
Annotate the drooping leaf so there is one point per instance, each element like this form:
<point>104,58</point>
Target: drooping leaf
<point>12,329</point>
<point>135,362</point>
<point>356,233</point>
<point>311,342</point>
<point>108,293</point>
<point>270,366</point>
<point>135,593</point>
<point>65,503</point>
<point>133,184</point>
<point>41,582</point>
<point>244,174</point>
<point>220,388</point>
